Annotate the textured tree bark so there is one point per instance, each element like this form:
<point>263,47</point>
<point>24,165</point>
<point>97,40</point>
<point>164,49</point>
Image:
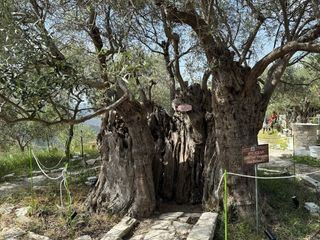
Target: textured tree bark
<point>125,183</point>
<point>189,144</point>
<point>159,159</point>
<point>237,119</point>
<point>180,158</point>
<point>180,143</point>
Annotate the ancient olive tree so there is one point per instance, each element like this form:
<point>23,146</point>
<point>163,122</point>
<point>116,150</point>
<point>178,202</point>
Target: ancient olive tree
<point>104,47</point>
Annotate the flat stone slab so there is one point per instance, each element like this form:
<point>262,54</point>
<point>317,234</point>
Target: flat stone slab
<point>12,233</point>
<point>163,225</point>
<point>204,228</point>
<point>8,176</point>
<point>182,229</point>
<point>8,187</point>
<point>34,236</point>
<point>6,208</point>
<point>159,235</point>
<point>36,179</point>
<point>138,237</point>
<point>85,237</point>
<point>170,216</point>
<point>313,208</point>
<point>121,229</point>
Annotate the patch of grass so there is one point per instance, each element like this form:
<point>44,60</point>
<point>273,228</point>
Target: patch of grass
<point>307,160</point>
<point>286,222</point>
<point>19,162</point>
<point>47,218</point>
<point>274,140</point>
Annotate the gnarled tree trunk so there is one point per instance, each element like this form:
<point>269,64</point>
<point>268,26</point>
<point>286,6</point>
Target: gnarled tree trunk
<point>125,183</point>
<point>237,118</point>
<point>159,159</point>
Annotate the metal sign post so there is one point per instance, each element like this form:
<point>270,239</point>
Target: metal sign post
<point>81,142</point>
<point>257,204</point>
<point>225,205</point>
<point>253,156</point>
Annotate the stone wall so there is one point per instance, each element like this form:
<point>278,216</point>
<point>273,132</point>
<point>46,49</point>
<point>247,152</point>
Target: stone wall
<point>305,134</point>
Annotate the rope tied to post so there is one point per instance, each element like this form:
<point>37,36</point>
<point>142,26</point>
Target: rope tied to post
<point>62,176</point>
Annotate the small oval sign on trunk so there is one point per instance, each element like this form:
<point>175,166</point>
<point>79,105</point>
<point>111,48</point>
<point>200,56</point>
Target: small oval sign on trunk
<point>184,108</point>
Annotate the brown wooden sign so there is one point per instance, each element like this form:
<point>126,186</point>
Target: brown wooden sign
<point>255,154</point>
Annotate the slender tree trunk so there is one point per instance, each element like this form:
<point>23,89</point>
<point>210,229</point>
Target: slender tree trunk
<point>21,145</point>
<point>48,143</point>
<point>69,141</point>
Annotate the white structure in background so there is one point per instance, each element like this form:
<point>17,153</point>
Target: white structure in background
<point>305,139</point>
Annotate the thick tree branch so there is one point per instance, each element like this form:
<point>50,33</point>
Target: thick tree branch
<point>201,28</point>
<point>279,52</point>
<point>68,121</point>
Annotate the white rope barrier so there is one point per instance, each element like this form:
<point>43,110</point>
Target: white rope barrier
<point>257,177</point>
<point>51,168</point>
<point>43,171</point>
<point>216,193</point>
<point>270,178</point>
<point>266,178</point>
<point>63,177</point>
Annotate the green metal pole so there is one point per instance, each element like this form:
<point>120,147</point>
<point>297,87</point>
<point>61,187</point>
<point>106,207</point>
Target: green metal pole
<point>30,170</point>
<point>225,206</point>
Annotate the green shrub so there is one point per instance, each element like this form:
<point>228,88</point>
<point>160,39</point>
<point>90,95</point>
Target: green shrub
<point>307,160</point>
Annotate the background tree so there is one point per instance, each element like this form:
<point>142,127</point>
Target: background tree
<point>21,134</point>
<point>298,91</point>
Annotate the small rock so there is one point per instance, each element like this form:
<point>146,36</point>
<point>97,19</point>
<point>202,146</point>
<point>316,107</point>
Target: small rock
<point>170,216</point>
<point>33,236</point>
<point>91,181</point>
<point>8,176</point>
<point>6,208</point>
<point>39,188</point>
<point>313,208</point>
<point>11,233</point>
<point>85,237</point>
<point>22,212</point>
<point>91,162</point>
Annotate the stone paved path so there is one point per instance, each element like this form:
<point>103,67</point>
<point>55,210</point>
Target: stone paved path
<point>167,226</point>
